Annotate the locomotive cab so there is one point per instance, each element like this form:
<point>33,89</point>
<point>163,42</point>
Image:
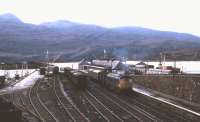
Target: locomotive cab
<point>125,83</point>
<point>118,82</point>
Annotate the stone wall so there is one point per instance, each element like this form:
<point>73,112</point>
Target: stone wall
<point>182,86</point>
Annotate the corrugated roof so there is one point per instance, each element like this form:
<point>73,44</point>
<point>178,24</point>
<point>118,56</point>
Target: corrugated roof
<point>83,61</point>
<point>141,63</point>
<point>106,63</point>
<point>95,70</point>
<point>113,75</point>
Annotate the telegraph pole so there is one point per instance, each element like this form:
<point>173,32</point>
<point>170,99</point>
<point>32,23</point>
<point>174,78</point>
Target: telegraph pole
<point>104,53</point>
<point>47,64</point>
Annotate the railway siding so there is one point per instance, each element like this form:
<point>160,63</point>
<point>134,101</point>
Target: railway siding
<point>76,114</point>
<point>143,115</point>
<point>39,106</point>
<point>117,108</point>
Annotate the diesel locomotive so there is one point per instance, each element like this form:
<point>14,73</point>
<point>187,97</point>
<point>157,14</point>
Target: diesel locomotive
<point>117,82</point>
<point>112,80</point>
<point>109,72</point>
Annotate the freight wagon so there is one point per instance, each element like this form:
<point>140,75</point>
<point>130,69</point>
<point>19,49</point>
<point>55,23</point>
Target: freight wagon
<point>113,80</point>
<point>2,81</point>
<point>108,72</point>
<point>77,78</point>
<point>49,71</point>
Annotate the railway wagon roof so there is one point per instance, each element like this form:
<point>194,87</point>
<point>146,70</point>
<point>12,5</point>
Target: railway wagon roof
<point>95,70</point>
<point>106,63</point>
<point>113,75</point>
<point>94,66</point>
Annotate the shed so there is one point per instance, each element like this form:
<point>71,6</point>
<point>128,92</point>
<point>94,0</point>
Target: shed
<point>140,65</point>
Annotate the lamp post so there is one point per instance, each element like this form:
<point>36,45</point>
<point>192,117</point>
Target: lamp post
<point>24,67</point>
<point>2,65</point>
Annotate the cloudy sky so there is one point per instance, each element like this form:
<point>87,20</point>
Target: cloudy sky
<point>169,15</point>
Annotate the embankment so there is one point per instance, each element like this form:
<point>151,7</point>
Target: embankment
<point>186,87</point>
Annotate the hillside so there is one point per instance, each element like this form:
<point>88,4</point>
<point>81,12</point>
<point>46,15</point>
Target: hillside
<point>73,41</point>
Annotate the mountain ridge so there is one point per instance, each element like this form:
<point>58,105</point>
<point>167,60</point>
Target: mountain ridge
<point>76,41</point>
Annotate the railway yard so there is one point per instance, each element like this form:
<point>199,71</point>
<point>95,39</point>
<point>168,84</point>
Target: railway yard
<point>56,99</point>
<point>99,61</point>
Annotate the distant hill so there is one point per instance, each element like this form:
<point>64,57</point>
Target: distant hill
<point>60,24</point>
<point>73,41</point>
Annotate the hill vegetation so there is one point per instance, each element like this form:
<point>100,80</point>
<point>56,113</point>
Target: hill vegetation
<point>69,41</point>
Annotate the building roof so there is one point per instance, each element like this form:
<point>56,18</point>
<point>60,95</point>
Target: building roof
<point>106,63</point>
<point>141,63</point>
<point>95,70</point>
<point>94,66</point>
<point>83,61</point>
<point>113,75</point>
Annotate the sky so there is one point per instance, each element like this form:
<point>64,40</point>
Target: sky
<point>167,15</point>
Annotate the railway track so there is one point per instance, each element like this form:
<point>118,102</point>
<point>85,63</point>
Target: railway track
<point>82,102</point>
<point>27,113</point>
<point>173,114</point>
<point>75,114</point>
<point>134,111</point>
<point>147,107</point>
<point>117,108</point>
<point>27,107</point>
<point>39,107</point>
<point>48,97</point>
<point>104,111</point>
<point>101,103</point>
<point>143,115</point>
<point>140,107</point>
<point>62,106</point>
<point>153,110</point>
<point>18,102</point>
